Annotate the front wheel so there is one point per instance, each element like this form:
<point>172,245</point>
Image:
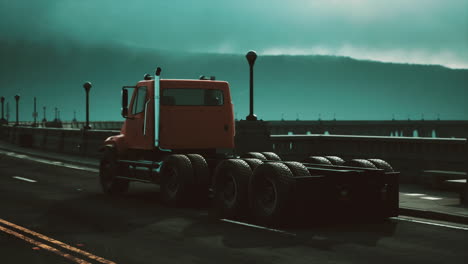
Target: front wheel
<point>177,180</point>
<point>108,172</point>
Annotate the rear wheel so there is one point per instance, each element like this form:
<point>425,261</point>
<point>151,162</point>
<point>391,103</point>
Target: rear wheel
<point>177,180</point>
<point>255,155</point>
<point>298,169</point>
<point>381,164</point>
<point>108,172</point>
<point>201,176</point>
<point>360,163</point>
<point>253,163</point>
<point>335,160</point>
<point>271,156</point>
<point>270,190</point>
<point>231,188</point>
<point>317,160</point>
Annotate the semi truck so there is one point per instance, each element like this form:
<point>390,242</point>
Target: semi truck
<point>180,135</point>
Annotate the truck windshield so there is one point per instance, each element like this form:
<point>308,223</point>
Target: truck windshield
<point>192,97</point>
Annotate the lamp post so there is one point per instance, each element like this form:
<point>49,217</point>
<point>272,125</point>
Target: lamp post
<point>3,120</point>
<point>7,112</point>
<point>44,119</point>
<point>35,114</point>
<point>87,86</point>
<point>17,97</point>
<point>251,57</point>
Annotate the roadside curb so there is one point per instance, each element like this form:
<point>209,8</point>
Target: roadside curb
<point>434,215</point>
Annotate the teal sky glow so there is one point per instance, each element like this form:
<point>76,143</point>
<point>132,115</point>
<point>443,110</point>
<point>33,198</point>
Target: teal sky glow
<point>407,31</point>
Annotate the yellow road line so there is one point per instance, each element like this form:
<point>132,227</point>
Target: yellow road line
<point>63,245</point>
<point>44,246</point>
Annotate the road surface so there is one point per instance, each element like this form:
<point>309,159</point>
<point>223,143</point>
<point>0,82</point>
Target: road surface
<point>54,214</point>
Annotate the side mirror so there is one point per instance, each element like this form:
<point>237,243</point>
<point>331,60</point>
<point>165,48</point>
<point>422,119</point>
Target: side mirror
<point>124,103</point>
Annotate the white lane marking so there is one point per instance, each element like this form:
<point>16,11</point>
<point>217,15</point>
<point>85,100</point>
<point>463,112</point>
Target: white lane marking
<point>431,198</point>
<point>24,179</point>
<point>258,227</point>
<point>430,223</point>
<point>50,162</point>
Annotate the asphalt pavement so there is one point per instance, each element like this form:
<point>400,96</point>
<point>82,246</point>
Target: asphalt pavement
<point>54,212</point>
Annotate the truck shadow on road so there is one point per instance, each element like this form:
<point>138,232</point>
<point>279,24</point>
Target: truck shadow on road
<point>142,210</point>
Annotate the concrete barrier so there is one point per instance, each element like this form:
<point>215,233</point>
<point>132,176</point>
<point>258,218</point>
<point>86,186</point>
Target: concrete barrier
<point>70,141</point>
<point>411,156</point>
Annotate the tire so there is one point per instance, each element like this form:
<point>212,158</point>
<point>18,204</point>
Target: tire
<point>270,190</point>
<point>360,163</point>
<point>335,160</point>
<point>382,164</point>
<point>177,180</point>
<point>232,178</point>
<point>255,155</point>
<point>253,163</point>
<point>271,156</point>
<point>201,176</point>
<point>108,172</point>
<point>317,160</point>
<point>298,169</point>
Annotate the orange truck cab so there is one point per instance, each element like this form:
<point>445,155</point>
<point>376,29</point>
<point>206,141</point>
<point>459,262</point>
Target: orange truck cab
<point>176,115</point>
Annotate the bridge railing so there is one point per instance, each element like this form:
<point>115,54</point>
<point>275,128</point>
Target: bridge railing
<point>407,128</point>
<point>409,155</point>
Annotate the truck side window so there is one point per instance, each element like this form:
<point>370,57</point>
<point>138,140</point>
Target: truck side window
<point>214,97</point>
<point>139,100</point>
<point>192,97</point>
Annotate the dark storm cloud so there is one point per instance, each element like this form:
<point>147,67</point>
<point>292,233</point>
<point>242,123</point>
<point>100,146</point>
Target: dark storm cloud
<point>418,31</point>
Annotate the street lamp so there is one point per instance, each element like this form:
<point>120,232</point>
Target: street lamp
<point>35,113</point>
<point>251,57</point>
<point>3,120</point>
<point>44,119</point>
<point>87,86</point>
<point>17,97</point>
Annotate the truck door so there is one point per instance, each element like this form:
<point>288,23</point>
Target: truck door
<point>138,132</point>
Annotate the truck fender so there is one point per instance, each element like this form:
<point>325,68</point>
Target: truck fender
<point>116,142</point>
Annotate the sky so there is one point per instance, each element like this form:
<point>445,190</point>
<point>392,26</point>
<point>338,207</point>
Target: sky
<point>403,31</point>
